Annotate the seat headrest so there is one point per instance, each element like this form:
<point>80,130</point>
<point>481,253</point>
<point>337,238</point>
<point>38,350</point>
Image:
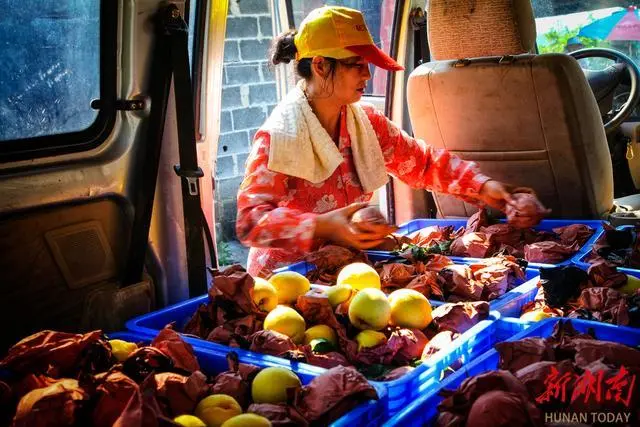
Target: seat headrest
<point>472,28</point>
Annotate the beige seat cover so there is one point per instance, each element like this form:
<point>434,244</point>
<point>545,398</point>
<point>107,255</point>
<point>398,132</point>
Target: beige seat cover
<point>526,119</point>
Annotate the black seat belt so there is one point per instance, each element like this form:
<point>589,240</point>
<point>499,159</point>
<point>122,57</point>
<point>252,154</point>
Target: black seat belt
<point>171,59</point>
<point>422,55</point>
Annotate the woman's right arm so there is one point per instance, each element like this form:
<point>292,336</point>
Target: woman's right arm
<point>260,221</point>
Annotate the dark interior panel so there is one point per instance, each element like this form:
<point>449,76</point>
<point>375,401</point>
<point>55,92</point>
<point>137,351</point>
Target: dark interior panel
<point>52,258</point>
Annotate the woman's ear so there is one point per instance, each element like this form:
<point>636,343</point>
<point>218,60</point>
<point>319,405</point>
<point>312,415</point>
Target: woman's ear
<point>320,67</point>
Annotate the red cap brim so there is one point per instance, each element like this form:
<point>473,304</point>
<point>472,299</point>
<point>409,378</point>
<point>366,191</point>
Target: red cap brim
<point>376,56</point>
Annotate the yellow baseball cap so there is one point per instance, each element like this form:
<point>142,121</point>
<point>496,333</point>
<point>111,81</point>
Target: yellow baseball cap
<point>339,32</point>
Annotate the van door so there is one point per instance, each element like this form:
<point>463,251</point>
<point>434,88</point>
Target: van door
<point>74,121</point>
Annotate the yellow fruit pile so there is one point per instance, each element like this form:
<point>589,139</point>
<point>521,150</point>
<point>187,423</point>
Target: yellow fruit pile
<point>221,410</point>
<point>358,294</point>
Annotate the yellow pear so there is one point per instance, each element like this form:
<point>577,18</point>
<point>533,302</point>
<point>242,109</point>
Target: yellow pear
<point>359,276</point>
<point>632,285</point>
<point>122,349</point>
<point>370,309</point>
<point>216,409</point>
<point>409,309</point>
<point>320,331</point>
<point>535,316</point>
<point>287,321</point>
<point>338,294</point>
<point>289,285</point>
<point>264,294</point>
<point>247,420</point>
<point>271,384</point>
<point>189,421</point>
<point>369,338</point>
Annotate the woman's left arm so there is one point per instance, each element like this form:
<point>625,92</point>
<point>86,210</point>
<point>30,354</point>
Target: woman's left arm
<point>420,165</point>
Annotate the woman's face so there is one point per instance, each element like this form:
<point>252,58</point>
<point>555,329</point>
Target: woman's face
<point>349,81</point>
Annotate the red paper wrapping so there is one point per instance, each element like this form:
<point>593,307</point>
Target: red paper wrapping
<point>331,395</point>
<point>589,351</point>
<point>427,285</point>
<point>145,361</point>
<point>324,360</point>
<point>604,274</point>
<point>608,305</point>
<point>573,233</point>
<point>114,391</point>
<point>142,410</point>
<point>55,405</point>
<point>455,408</point>
<point>396,275</point>
<point>526,211</point>
<point>234,286</point>
<point>236,382</point>
<point>549,252</point>
<point>433,234</point>
<point>460,317</point>
<point>515,355</point>
<point>458,280</point>
<point>202,322</point>
<point>440,341</point>
<point>503,409</point>
<point>59,354</point>
<point>477,221</point>
<point>279,415</point>
<point>181,353</point>
<point>504,234</point>
<point>178,394</point>
<point>271,342</point>
<point>475,245</point>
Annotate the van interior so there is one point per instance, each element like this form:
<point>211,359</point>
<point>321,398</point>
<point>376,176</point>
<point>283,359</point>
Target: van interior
<point>124,127</point>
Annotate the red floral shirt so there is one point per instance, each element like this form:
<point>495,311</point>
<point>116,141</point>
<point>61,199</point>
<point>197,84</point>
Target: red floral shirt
<point>277,212</point>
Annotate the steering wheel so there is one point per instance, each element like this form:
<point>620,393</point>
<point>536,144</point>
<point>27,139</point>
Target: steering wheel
<point>604,82</point>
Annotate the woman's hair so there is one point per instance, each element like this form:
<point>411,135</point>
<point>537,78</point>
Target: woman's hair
<point>283,50</point>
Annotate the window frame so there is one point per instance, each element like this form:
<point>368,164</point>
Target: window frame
<point>97,133</point>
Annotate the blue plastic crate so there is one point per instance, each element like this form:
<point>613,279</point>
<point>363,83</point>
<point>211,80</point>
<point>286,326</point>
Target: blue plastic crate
<point>580,259</point>
<point>213,361</point>
<point>545,225</point>
<point>151,323</point>
<point>531,278</point>
<point>527,292</point>
<point>424,411</point>
<point>425,377</point>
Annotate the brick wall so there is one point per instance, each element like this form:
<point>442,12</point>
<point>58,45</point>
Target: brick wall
<point>248,96</point>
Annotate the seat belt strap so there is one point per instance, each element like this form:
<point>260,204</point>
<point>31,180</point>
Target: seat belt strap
<point>188,168</point>
<point>171,58</point>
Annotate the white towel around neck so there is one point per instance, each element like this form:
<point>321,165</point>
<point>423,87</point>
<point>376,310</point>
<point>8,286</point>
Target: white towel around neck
<point>301,147</point>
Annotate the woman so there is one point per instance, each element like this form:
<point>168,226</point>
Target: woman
<point>321,154</point>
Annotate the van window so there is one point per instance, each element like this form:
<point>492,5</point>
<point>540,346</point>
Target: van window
<point>50,70</point>
<point>567,26</point>
<point>378,15</point>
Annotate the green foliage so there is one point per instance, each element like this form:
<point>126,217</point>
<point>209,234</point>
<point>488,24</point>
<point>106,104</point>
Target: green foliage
<point>556,40</point>
<point>224,253</point>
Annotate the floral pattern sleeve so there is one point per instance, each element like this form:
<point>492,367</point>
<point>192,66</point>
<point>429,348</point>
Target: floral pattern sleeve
<point>420,165</point>
<point>262,220</point>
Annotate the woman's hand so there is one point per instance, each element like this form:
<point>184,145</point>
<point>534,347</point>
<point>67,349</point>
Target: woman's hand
<point>496,194</point>
<point>336,226</point>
